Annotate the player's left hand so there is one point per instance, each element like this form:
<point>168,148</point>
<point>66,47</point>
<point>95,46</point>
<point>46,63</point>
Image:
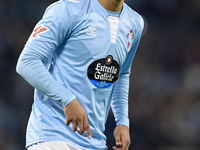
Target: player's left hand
<point>122,138</point>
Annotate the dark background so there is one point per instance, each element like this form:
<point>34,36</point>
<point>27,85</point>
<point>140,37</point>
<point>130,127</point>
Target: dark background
<point>164,103</point>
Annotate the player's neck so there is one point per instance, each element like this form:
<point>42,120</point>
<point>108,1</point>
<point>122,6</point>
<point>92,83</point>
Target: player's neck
<point>112,5</point>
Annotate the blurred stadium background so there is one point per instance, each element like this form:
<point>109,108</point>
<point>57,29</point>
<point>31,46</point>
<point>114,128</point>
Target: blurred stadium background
<point>165,82</point>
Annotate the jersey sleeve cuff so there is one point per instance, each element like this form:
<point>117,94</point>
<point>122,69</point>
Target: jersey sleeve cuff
<point>123,121</point>
<point>70,97</point>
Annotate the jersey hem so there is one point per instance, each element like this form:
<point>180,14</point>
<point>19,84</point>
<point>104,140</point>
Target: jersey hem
<point>28,144</point>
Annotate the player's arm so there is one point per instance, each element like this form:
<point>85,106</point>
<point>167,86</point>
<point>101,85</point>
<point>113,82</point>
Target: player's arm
<point>119,102</point>
<point>46,37</point>
<point>48,34</point>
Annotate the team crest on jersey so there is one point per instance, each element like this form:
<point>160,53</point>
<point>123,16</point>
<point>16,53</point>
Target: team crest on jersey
<point>39,30</point>
<point>130,37</point>
<point>104,72</point>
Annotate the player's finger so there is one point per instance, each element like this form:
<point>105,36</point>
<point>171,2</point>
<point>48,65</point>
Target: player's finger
<point>87,128</point>
<point>118,140</point>
<point>68,122</point>
<point>116,148</point>
<point>74,128</point>
<point>81,126</point>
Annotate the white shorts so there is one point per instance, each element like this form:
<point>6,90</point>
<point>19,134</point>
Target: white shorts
<point>52,145</point>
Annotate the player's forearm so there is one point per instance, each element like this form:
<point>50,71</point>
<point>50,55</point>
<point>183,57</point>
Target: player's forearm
<point>31,68</point>
<point>120,100</point>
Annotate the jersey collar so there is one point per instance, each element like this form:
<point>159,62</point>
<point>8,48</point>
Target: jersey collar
<point>103,11</point>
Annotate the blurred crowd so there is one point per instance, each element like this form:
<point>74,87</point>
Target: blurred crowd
<point>164,101</point>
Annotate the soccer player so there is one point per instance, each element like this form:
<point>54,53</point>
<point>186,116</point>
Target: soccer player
<point>78,59</point>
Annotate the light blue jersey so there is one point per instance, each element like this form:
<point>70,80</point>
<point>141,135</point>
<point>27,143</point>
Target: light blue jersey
<point>77,51</point>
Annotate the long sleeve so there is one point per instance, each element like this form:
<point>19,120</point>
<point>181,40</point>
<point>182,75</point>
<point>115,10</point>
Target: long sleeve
<point>46,37</point>
<point>119,103</point>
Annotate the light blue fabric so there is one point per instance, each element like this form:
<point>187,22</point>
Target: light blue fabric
<point>70,55</point>
<point>114,14</point>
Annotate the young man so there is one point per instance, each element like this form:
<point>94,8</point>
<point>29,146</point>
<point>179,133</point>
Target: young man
<point>78,59</point>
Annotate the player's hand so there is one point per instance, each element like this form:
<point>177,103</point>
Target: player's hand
<point>122,138</point>
<point>75,113</point>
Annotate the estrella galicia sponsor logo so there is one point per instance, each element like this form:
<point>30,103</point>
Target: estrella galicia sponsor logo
<point>104,72</point>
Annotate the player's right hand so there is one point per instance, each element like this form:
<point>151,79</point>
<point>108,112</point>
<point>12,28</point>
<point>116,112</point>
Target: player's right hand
<point>75,113</point>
